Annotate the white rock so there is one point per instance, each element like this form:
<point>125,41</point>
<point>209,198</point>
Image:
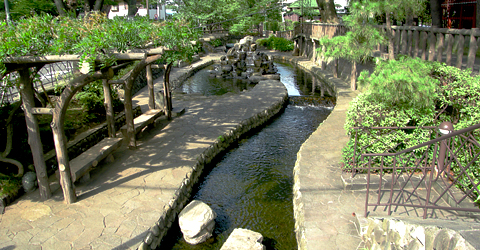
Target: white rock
<point>197,221</point>
<point>243,239</point>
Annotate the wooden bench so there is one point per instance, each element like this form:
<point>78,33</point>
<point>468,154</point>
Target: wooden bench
<point>80,166</point>
<point>143,120</point>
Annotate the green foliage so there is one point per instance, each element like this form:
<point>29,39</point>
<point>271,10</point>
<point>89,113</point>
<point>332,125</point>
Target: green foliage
<point>91,98</point>
<point>361,39</point>
<point>9,185</point>
<point>92,37</point>
<point>411,92</point>
<point>404,83</point>
<point>216,43</point>
<point>27,8</point>
<point>276,43</point>
<point>236,16</point>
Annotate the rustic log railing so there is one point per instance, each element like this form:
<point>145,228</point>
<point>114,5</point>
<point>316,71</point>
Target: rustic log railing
<point>454,47</point>
<point>22,64</point>
<point>438,174</point>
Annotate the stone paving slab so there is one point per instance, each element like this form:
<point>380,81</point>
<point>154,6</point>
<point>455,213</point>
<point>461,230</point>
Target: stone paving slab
<point>121,206</point>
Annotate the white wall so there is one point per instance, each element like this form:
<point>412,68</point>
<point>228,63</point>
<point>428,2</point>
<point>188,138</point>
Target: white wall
<point>123,11</point>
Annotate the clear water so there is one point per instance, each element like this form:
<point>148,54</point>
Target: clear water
<point>251,185</point>
<point>203,83</point>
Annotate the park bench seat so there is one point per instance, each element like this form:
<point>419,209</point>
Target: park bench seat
<point>143,120</point>
<point>80,166</point>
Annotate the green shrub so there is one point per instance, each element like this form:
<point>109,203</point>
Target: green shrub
<point>216,43</point>
<point>411,92</point>
<point>406,82</point>
<point>276,43</point>
<point>91,99</point>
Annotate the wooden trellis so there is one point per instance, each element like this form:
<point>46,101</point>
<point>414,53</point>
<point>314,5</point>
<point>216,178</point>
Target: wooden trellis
<point>23,64</point>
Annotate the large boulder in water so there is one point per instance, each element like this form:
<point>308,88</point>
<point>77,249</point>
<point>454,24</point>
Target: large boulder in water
<point>243,239</point>
<point>197,221</point>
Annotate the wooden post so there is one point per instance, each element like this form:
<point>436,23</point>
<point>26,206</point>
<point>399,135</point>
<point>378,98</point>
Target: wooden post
<point>335,68</point>
<point>132,143</point>
<point>416,41</point>
<point>167,98</point>
<point>431,51</point>
<point>34,140</point>
<point>391,53</point>
<point>449,40</point>
<point>410,42</point>
<point>473,47</point>
<point>151,92</point>
<point>404,42</point>
<point>440,44</point>
<point>461,41</point>
<point>108,103</point>
<point>423,45</point>
<point>398,40</point>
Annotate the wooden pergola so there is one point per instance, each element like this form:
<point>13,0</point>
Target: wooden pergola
<point>145,58</point>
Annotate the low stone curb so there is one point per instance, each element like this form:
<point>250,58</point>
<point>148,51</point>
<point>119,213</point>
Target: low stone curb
<point>411,233</point>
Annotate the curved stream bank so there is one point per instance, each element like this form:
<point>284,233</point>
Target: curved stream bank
<point>322,208</point>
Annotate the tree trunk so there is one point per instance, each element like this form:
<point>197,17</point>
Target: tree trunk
<point>477,19</point>
<point>327,12</point>
<point>60,7</point>
<point>98,5</point>
<point>167,98</point>
<point>108,103</point>
<point>151,92</point>
<point>26,92</point>
<point>436,11</point>
<point>132,7</point>
<point>391,54</point>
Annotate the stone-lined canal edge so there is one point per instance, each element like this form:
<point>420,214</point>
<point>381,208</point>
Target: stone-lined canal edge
<point>170,211</point>
<point>320,153</point>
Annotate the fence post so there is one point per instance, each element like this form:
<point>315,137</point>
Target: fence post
<point>473,48</point>
<point>444,128</point>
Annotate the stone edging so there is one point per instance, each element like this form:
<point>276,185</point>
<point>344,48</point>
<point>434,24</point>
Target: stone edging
<point>411,233</point>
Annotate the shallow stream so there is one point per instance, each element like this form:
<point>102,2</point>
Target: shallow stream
<point>251,185</point>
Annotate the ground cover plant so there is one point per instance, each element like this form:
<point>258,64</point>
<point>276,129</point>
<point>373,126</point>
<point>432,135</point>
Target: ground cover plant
<point>412,92</point>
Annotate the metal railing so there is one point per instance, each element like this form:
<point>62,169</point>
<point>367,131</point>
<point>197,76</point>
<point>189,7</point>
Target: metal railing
<point>442,173</point>
<point>48,76</point>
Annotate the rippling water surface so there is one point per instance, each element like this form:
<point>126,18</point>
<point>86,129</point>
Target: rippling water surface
<point>251,186</point>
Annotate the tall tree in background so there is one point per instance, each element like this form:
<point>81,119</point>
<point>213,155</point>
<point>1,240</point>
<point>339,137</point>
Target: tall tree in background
<point>327,11</point>
<point>436,11</point>
<point>132,7</point>
<point>237,16</point>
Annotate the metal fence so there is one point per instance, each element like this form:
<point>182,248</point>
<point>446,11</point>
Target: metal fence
<point>48,76</point>
<point>442,173</point>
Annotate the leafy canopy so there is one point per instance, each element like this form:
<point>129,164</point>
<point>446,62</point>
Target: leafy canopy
<point>95,36</point>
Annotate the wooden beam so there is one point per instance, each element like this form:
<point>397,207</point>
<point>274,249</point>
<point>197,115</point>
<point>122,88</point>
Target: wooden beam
<point>42,111</point>
<point>137,54</point>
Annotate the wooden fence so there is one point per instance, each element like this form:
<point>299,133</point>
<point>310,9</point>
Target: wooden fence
<point>455,47</point>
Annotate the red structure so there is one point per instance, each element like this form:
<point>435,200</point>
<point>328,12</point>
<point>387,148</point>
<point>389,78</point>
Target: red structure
<point>459,14</point>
